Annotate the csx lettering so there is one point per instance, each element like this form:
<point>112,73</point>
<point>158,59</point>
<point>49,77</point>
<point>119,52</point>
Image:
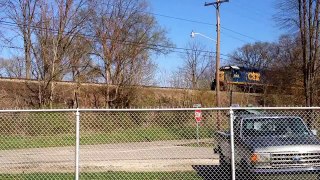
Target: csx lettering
<point>254,76</point>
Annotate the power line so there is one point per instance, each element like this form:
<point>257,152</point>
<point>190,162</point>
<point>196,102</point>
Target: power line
<point>195,21</point>
<point>181,19</point>
<point>201,22</point>
<point>161,15</point>
<point>240,34</point>
<point>234,37</point>
<point>172,51</point>
<point>172,48</point>
<point>183,52</point>
<point>11,47</point>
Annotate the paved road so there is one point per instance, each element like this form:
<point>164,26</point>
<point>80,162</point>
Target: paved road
<point>143,156</point>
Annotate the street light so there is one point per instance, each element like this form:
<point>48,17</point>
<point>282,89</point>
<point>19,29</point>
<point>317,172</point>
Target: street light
<point>193,35</point>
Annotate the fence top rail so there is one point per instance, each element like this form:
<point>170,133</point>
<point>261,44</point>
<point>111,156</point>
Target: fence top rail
<point>159,109</point>
<point>36,110</point>
<point>208,109</point>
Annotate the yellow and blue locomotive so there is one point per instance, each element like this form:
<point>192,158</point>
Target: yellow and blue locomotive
<point>237,76</point>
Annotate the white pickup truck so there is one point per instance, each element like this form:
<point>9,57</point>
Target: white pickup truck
<point>271,145</point>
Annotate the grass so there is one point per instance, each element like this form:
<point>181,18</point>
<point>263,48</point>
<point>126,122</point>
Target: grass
<point>105,175</point>
<point>91,138</point>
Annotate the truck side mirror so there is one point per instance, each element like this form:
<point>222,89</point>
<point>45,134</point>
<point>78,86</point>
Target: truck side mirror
<point>314,132</point>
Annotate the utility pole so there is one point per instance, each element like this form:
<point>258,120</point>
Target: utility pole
<point>217,6</point>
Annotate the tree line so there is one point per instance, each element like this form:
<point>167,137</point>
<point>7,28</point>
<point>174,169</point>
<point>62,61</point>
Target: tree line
<point>105,41</point>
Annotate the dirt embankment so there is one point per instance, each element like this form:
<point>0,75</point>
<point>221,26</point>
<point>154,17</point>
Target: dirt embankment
<point>17,93</point>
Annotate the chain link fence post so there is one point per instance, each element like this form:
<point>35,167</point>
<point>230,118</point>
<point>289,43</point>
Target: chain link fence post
<point>77,144</point>
<point>233,171</point>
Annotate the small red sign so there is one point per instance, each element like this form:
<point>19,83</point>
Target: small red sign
<point>197,115</point>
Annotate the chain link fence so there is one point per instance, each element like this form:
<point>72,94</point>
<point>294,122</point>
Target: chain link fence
<point>261,143</point>
<point>36,144</point>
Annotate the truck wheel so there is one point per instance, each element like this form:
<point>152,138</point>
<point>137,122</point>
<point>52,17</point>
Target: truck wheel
<point>245,171</point>
<point>224,161</point>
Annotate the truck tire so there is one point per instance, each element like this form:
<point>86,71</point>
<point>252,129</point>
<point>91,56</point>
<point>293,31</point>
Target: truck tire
<point>245,171</point>
<point>224,162</point>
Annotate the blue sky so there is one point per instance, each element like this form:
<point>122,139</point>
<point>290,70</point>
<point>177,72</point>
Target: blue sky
<point>249,21</point>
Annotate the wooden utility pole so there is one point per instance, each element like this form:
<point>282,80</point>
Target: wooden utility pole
<point>217,6</point>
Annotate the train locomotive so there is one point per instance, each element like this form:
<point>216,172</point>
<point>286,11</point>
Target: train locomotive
<point>236,76</point>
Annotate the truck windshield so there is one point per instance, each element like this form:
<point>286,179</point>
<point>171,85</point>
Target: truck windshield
<point>274,127</point>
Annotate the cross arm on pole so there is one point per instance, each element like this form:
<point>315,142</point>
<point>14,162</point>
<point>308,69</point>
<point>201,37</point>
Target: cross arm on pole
<point>215,3</point>
<point>210,4</point>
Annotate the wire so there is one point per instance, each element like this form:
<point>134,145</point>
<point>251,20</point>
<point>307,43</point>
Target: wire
<point>234,37</point>
<point>180,19</point>
<point>193,21</point>
<point>240,33</point>
<point>201,22</point>
<point>117,41</point>
<point>11,47</point>
<point>221,54</point>
<point>197,22</point>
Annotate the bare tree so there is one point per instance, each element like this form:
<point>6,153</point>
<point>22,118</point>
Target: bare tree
<point>124,39</point>
<point>22,14</point>
<point>79,64</point>
<point>258,55</point>
<point>86,40</point>
<point>178,79</point>
<point>285,73</point>
<point>57,27</point>
<point>303,16</point>
<point>12,68</point>
<point>287,63</point>
<point>197,70</point>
